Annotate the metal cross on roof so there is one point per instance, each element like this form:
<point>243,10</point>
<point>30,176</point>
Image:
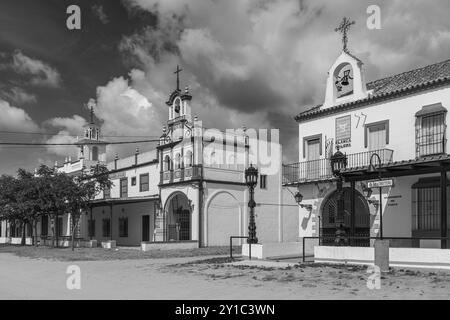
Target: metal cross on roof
<point>343,28</point>
<point>177,72</point>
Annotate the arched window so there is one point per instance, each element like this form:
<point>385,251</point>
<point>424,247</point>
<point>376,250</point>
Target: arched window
<point>177,107</point>
<point>178,161</point>
<point>166,163</point>
<point>94,153</point>
<point>189,159</point>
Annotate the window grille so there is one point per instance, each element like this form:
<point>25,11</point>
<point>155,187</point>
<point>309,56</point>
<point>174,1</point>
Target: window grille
<point>431,135</point>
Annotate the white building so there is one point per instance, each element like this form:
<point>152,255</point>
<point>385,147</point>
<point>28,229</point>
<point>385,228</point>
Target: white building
<point>402,118</point>
<point>190,191</point>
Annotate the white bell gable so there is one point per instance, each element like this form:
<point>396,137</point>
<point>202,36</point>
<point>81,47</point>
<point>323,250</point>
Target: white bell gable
<point>346,81</point>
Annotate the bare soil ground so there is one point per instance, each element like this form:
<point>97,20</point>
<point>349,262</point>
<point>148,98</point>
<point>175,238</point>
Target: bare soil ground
<point>27,273</point>
<point>319,281</point>
<point>100,254</point>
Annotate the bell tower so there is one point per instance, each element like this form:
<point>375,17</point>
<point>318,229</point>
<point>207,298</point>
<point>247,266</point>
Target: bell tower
<point>346,80</point>
<point>179,124</point>
<point>91,148</point>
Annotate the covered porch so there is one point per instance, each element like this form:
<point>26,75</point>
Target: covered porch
<point>429,194</point>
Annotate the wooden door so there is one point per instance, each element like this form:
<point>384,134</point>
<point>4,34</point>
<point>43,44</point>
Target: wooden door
<point>145,228</point>
<point>313,158</point>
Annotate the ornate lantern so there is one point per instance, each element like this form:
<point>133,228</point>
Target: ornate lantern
<point>338,163</point>
<point>251,176</point>
<point>367,192</point>
<point>298,197</point>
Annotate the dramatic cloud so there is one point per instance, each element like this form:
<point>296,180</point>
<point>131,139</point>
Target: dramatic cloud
<point>18,96</point>
<point>125,112</point>
<point>68,131</point>
<point>99,12</point>
<point>41,73</point>
<point>268,60</point>
<point>15,119</point>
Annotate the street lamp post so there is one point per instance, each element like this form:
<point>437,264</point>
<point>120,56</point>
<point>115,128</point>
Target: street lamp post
<point>338,163</point>
<point>372,169</point>
<point>251,179</point>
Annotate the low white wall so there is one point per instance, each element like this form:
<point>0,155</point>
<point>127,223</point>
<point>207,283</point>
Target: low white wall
<point>256,251</point>
<point>110,244</point>
<point>147,246</point>
<point>419,258</point>
<point>343,255</point>
<point>398,257</point>
<point>4,240</point>
<point>18,241</point>
<point>274,250</point>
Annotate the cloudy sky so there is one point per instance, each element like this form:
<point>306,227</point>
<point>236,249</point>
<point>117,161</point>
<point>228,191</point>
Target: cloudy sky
<point>248,62</point>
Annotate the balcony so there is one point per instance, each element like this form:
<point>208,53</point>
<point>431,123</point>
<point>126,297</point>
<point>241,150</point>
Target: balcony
<point>183,174</point>
<point>320,170</point>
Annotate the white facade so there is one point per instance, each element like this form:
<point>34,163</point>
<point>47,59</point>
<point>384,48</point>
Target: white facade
<point>190,190</point>
<point>402,118</point>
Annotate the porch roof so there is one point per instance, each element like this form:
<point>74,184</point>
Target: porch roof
<point>424,165</point>
<point>113,201</point>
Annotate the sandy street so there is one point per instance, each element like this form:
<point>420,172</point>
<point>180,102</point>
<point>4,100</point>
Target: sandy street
<point>24,278</point>
<point>176,278</point>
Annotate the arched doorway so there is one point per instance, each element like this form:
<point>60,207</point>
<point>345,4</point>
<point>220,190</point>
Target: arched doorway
<point>362,218</point>
<point>178,218</point>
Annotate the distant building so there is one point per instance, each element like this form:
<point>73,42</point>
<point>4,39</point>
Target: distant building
<point>190,191</point>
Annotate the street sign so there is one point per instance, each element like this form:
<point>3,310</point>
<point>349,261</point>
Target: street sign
<point>381,184</point>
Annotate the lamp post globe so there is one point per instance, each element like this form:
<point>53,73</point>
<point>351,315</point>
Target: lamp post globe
<point>251,176</point>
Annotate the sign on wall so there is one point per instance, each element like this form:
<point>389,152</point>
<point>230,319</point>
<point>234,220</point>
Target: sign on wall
<point>380,184</point>
<point>117,175</point>
<point>344,132</point>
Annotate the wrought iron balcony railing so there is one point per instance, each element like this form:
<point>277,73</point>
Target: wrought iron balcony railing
<point>320,170</point>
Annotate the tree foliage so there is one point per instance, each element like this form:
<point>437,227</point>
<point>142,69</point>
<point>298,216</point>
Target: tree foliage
<point>27,197</point>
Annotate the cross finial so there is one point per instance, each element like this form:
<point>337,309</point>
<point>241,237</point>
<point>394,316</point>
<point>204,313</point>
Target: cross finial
<point>177,72</point>
<point>343,28</point>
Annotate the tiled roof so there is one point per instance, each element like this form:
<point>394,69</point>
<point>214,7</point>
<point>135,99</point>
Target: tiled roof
<point>404,82</point>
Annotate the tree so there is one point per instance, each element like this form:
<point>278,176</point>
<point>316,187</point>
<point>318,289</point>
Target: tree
<point>19,200</point>
<point>29,196</point>
<point>8,186</point>
<point>85,189</point>
<point>56,188</point>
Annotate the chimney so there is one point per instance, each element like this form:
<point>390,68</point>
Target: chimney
<point>116,158</point>
<point>136,156</point>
